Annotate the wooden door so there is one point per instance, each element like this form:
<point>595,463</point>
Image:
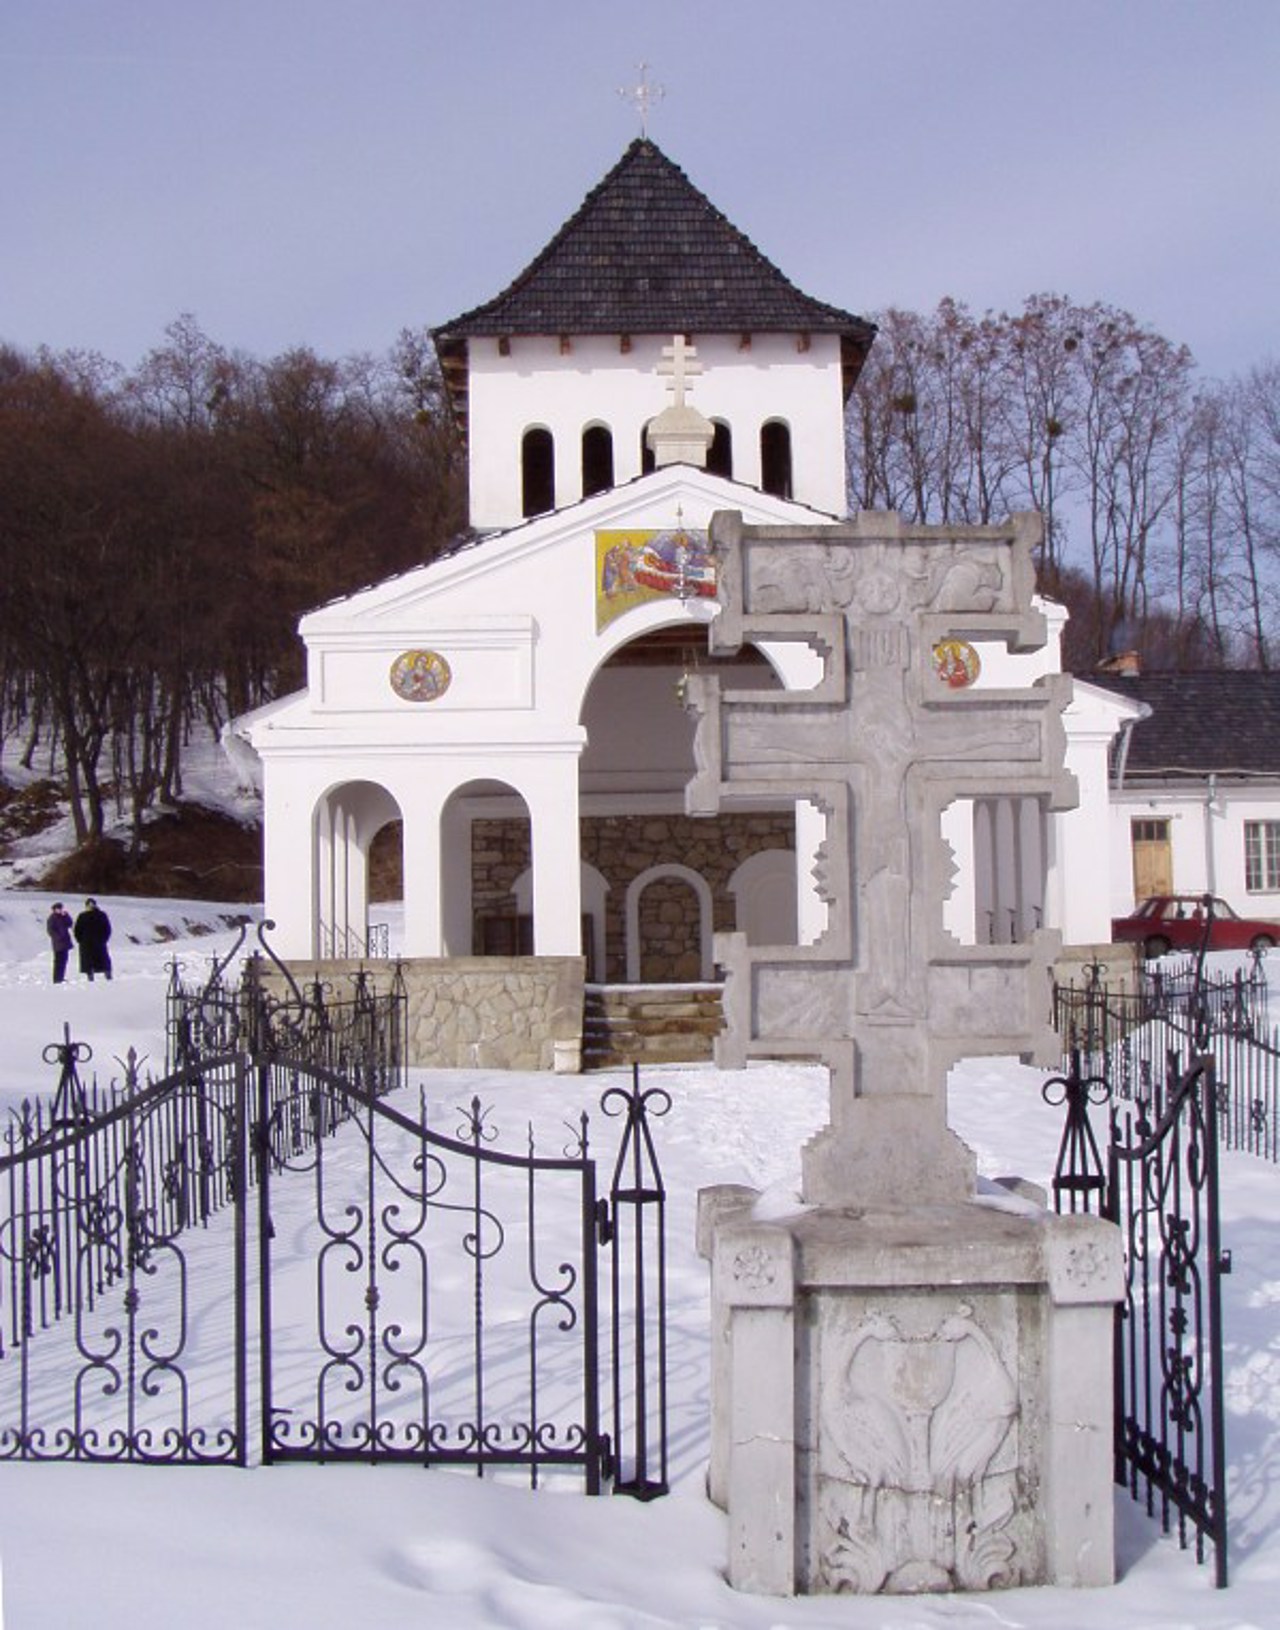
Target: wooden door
<point>1152,858</point>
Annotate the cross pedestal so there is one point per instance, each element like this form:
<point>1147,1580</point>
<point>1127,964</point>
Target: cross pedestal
<point>911,1390</point>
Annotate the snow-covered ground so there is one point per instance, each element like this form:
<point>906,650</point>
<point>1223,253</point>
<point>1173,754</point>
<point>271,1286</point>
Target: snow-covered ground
<point>393,1548</point>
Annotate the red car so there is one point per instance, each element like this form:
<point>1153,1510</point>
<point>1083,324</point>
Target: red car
<point>1175,922</point>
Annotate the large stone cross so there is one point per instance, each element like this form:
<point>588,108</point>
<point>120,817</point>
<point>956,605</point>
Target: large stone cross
<point>885,741</point>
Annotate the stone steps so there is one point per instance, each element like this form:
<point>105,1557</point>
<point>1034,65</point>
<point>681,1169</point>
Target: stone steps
<point>628,1024</point>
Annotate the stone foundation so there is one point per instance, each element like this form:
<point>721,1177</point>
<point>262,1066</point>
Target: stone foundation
<point>911,1400</point>
<point>496,1013</point>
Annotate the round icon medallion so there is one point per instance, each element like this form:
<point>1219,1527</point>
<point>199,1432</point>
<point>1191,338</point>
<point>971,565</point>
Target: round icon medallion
<point>420,676</point>
<point>956,663</point>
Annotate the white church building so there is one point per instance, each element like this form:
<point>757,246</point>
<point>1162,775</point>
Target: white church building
<point>509,715</point>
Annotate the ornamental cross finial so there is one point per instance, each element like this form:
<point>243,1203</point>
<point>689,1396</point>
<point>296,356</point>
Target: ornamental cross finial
<point>680,362</point>
<point>642,96</point>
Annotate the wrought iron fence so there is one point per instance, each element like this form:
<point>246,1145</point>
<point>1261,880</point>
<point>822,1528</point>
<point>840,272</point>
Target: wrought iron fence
<point>348,942</point>
<point>1124,1038</point>
<point>360,1031</point>
<point>493,1362</point>
<point>127,1215</point>
<point>1162,1192</point>
<point>637,1236</point>
<point>1159,1183</point>
<point>1094,1018</point>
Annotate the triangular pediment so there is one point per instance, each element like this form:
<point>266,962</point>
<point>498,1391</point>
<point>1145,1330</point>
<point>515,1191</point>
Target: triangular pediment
<point>491,573</point>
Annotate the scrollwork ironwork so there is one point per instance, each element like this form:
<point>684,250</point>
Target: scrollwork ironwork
<point>1162,1191</point>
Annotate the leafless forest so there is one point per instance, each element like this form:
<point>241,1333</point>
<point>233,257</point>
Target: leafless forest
<point>163,529</point>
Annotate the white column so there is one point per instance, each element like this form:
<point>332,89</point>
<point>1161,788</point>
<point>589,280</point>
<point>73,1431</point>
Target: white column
<point>800,667</point>
<point>552,797</point>
<point>1034,865</point>
<point>357,887</point>
<point>568,464</point>
<point>292,828</point>
<point>1079,899</point>
<point>985,873</point>
<point>423,928</point>
<point>342,840</point>
<point>455,882</point>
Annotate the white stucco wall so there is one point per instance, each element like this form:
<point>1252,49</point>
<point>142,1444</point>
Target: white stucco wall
<point>1082,867</point>
<point>511,714</point>
<point>595,382</point>
<point>514,714</point>
<point>1206,832</point>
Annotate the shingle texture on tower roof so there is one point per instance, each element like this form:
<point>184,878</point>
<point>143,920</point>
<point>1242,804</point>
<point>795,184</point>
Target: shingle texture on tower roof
<point>1222,723</point>
<point>647,253</point>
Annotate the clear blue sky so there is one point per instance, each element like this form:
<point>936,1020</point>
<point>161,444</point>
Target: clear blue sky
<point>326,172</point>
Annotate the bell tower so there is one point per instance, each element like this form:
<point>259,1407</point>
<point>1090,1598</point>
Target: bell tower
<point>649,331</point>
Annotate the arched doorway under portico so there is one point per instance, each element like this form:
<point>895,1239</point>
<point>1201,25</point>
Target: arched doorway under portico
<point>346,821</point>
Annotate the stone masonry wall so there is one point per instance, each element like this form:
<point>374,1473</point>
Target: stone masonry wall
<point>499,1013</point>
<point>621,847</point>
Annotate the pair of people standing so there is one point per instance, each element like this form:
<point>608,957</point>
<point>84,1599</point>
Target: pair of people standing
<point>91,931</point>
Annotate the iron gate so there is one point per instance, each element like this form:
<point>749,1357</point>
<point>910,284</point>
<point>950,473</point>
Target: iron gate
<point>1159,1184</point>
<point>1162,1191</point>
<point>371,1348</point>
<point>263,1255</point>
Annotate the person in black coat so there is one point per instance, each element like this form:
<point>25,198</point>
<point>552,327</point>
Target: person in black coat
<point>58,927</point>
<point>93,931</point>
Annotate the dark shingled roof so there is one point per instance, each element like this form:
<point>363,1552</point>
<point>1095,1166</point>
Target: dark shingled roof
<point>1223,724</point>
<point>647,253</point>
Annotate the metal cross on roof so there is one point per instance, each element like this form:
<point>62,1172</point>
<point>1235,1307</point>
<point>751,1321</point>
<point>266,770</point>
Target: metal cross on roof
<point>642,96</point>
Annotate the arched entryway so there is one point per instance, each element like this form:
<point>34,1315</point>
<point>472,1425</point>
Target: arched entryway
<point>347,820</point>
<point>764,893</point>
<point>669,914</point>
<point>485,847</point>
<point>667,873</point>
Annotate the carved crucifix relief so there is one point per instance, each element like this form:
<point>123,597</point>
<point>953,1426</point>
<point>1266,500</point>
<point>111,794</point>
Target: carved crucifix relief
<point>882,745</point>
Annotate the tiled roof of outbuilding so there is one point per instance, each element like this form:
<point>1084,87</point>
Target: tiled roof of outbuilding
<point>1220,723</point>
<point>647,253</point>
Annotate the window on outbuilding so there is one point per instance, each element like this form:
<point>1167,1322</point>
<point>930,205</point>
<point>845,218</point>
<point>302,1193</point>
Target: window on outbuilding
<point>537,472</point>
<point>597,459</point>
<point>720,454</point>
<point>775,458</point>
<point>1262,857</point>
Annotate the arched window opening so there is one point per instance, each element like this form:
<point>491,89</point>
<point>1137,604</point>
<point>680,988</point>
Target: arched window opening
<point>597,459</point>
<point>775,458</point>
<point>538,472</point>
<point>720,453</point>
<point>648,464</point>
